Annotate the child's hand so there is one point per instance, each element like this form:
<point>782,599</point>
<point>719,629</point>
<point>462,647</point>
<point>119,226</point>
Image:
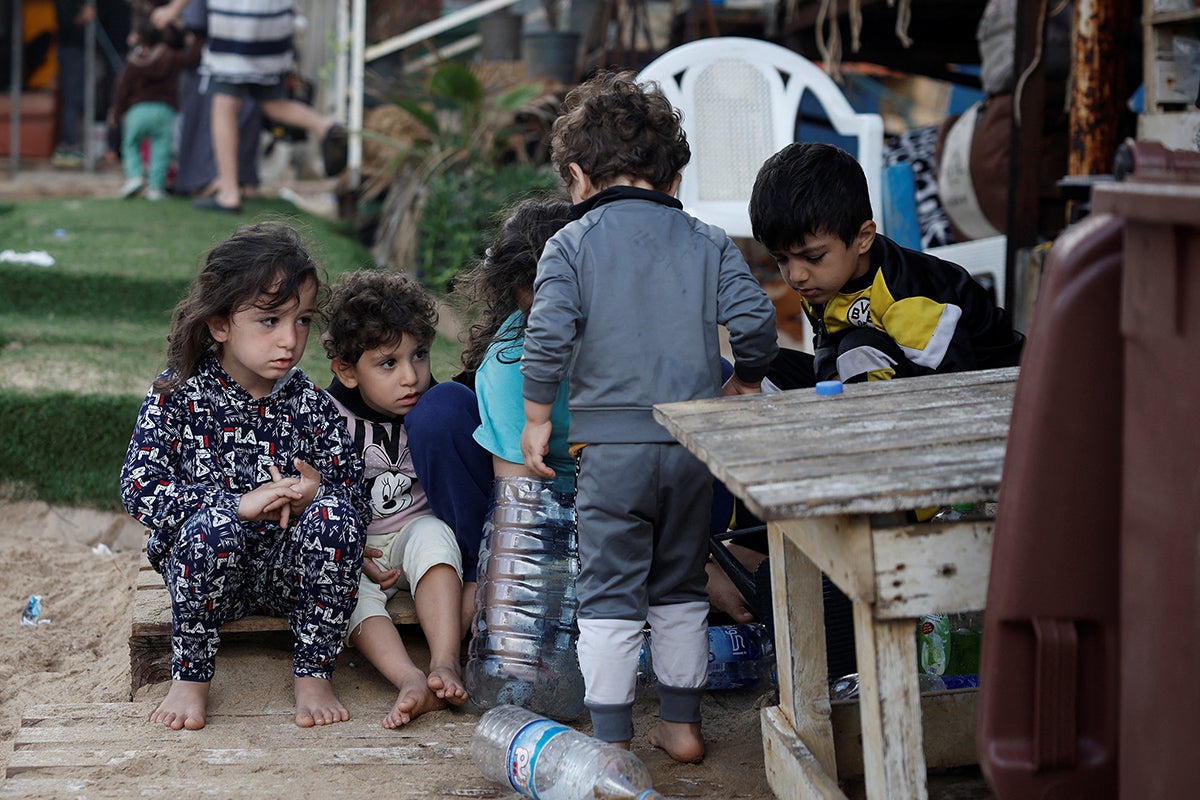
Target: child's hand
<point>306,485</point>
<point>736,386</point>
<point>535,444</point>
<point>386,580</point>
<point>271,501</point>
<point>309,485</point>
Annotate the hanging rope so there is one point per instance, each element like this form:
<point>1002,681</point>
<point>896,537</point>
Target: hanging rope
<point>830,45</point>
<point>903,17</point>
<point>1033,63</point>
<point>855,25</point>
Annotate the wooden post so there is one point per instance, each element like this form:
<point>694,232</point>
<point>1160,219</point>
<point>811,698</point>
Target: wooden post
<point>1097,90</point>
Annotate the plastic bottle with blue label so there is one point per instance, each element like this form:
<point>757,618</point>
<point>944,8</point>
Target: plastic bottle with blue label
<point>523,634</point>
<point>740,656</point>
<point>32,611</point>
<point>547,760</point>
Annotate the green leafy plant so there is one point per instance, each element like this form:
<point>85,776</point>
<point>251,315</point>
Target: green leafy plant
<point>468,126</point>
<point>462,213</point>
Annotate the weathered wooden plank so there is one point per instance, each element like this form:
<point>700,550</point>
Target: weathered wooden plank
<point>92,723</point>
<point>879,448</point>
<point>736,443</point>
<point>925,391</point>
<point>743,459</point>
<point>860,402</point>
<point>921,569</point>
<point>275,754</point>
<point>79,749</point>
<point>841,548</point>
<point>792,771</point>
<point>867,490</point>
<point>150,629</point>
<point>800,648</point>
<point>152,610</point>
<point>890,706</point>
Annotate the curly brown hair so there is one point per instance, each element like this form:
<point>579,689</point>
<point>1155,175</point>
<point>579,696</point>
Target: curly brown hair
<point>264,265</point>
<point>491,289</point>
<point>613,126</point>
<point>371,308</point>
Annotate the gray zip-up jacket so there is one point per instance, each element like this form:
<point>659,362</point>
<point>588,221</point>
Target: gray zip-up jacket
<point>627,302</point>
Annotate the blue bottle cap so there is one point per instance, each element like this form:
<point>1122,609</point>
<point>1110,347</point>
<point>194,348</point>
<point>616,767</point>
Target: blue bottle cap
<point>829,387</point>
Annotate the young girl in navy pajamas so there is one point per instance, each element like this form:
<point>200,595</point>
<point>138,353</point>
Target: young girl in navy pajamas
<point>243,473</point>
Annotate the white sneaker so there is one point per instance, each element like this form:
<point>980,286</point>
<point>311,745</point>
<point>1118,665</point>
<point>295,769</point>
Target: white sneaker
<point>155,194</point>
<point>132,187</point>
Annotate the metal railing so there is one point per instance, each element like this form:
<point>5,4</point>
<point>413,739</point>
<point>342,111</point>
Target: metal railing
<point>353,55</point>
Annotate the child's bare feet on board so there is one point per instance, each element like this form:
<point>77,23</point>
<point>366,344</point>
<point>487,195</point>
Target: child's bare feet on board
<point>681,740</point>
<point>445,681</point>
<point>316,704</point>
<point>184,706</point>
<point>415,698</point>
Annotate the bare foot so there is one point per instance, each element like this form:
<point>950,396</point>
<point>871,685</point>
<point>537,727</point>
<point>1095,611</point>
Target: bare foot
<point>316,703</point>
<point>681,740</point>
<point>446,682</point>
<point>414,699</point>
<point>184,706</point>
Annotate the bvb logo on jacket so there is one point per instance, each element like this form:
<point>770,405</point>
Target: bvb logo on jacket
<point>859,313</point>
<point>390,482</point>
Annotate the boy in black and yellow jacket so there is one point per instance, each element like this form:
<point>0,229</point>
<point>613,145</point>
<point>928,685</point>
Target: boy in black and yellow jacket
<point>878,310</point>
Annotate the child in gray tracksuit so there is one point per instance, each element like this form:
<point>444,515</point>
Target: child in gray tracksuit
<point>627,303</point>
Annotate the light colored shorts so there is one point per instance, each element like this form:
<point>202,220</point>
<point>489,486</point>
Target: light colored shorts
<point>414,549</point>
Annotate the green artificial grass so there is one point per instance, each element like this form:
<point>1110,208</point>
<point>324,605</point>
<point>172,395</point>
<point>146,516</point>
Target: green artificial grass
<point>81,340</point>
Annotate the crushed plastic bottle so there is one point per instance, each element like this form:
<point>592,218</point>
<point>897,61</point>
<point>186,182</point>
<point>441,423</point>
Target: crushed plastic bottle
<point>846,687</point>
<point>546,760</point>
<point>32,613</point>
<point>524,632</point>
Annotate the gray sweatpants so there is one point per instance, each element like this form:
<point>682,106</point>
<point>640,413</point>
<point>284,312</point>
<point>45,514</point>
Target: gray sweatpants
<point>643,514</point>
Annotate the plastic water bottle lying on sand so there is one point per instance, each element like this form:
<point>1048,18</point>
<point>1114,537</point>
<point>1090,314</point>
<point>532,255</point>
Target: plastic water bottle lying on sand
<point>31,614</point>
<point>547,760</point>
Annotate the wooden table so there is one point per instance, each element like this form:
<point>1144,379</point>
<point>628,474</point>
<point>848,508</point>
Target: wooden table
<point>832,476</point>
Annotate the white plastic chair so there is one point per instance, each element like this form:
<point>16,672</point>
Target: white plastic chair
<point>740,99</point>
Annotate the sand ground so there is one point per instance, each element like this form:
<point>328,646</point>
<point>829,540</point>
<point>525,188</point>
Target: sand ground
<point>75,668</point>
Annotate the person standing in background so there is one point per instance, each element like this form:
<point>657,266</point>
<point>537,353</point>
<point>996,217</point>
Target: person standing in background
<point>73,17</point>
<point>197,168</point>
<point>247,54</point>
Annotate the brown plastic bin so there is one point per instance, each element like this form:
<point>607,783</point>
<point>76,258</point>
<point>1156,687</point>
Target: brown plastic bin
<point>1048,675</point>
<point>1092,629</point>
<point>1160,496</point>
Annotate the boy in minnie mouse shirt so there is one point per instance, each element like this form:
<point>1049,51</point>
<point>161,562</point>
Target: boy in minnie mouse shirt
<point>380,327</point>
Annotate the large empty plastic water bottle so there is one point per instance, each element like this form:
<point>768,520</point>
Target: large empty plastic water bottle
<point>523,635</point>
<point>549,761</point>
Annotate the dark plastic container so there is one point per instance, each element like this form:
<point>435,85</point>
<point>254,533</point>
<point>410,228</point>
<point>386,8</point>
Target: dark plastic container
<point>1160,497</point>
<point>1091,638</point>
<point>1049,674</point>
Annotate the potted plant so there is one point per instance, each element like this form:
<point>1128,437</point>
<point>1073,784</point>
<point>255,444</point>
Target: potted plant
<point>552,53</point>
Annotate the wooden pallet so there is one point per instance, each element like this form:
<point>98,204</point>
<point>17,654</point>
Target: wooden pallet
<point>150,633</point>
<point>96,750</point>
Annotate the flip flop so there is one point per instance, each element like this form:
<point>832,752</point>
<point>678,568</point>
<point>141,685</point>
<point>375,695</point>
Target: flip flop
<point>210,204</point>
